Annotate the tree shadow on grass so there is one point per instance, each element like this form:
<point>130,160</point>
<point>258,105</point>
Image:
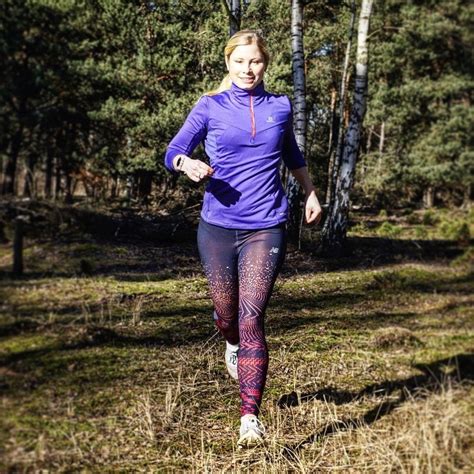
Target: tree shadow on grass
<point>285,312</point>
<point>371,253</point>
<point>435,376</point>
<point>180,259</point>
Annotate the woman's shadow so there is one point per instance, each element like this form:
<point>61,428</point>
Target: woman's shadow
<point>459,368</point>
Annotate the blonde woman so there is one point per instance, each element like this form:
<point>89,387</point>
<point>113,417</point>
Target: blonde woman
<point>246,132</point>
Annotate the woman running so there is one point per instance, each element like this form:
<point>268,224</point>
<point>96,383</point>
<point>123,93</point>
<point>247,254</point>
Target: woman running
<point>242,236</point>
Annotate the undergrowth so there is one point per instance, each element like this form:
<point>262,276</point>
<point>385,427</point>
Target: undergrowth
<point>118,367</point>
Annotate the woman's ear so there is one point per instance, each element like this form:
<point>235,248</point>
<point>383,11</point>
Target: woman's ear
<point>227,63</point>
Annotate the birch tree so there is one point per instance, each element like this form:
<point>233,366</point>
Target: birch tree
<point>299,111</point>
<point>334,233</point>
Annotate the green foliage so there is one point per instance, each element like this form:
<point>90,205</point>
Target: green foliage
<point>421,232</point>
<point>103,85</point>
<point>430,218</point>
<point>413,218</point>
<point>454,229</point>
<point>420,91</point>
<point>386,229</point>
<point>466,259</point>
<point>359,229</point>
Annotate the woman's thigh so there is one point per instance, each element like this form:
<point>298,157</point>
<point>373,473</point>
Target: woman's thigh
<point>261,256</point>
<point>218,255</point>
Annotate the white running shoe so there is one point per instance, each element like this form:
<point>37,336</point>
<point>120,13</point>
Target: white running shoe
<point>231,359</point>
<point>252,432</point>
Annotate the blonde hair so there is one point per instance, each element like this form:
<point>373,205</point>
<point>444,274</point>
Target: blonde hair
<point>241,38</point>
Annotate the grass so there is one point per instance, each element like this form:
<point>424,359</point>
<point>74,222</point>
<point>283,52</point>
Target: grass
<point>120,369</point>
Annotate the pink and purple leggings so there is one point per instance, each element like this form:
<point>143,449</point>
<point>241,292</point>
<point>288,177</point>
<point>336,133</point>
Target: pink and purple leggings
<point>241,267</point>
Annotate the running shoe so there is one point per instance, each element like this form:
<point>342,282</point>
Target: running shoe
<point>231,359</point>
<point>252,432</point>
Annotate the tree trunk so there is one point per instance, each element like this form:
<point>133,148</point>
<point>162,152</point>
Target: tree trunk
<point>69,188</point>
<point>381,145</point>
<point>369,140</point>
<point>235,16</point>
<point>11,166</point>
<point>428,197</point>
<point>466,201</point>
<point>30,188</point>
<point>234,13</point>
<point>48,173</point>
<point>334,233</point>
<point>58,187</point>
<point>145,180</point>
<point>299,114</point>
<point>331,148</point>
<point>332,131</point>
<point>382,138</point>
<point>114,188</point>
<point>335,163</point>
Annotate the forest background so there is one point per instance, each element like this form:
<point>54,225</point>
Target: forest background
<point>92,92</point>
<point>109,359</point>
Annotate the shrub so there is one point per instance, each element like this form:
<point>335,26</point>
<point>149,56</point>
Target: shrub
<point>359,228</point>
<point>413,219</point>
<point>389,230</point>
<point>455,230</point>
<point>465,259</point>
<point>421,232</point>
<point>430,218</point>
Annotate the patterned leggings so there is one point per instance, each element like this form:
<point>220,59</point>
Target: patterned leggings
<point>241,267</point>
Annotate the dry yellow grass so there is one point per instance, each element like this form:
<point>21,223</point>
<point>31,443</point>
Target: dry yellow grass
<point>371,370</point>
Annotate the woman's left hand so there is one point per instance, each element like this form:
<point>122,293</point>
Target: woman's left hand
<point>312,208</point>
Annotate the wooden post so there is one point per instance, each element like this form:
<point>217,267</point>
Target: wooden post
<point>18,247</point>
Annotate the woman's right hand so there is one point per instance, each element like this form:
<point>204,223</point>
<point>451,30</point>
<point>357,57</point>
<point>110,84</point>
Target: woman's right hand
<point>196,170</point>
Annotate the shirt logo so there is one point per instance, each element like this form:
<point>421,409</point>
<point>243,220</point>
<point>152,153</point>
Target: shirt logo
<point>274,250</point>
<point>270,119</point>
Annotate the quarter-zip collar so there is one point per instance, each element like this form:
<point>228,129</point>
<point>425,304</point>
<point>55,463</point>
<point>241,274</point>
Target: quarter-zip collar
<point>242,96</point>
<point>249,98</point>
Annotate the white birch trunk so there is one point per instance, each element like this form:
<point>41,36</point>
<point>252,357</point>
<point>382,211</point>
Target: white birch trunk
<point>335,232</point>
<point>299,110</point>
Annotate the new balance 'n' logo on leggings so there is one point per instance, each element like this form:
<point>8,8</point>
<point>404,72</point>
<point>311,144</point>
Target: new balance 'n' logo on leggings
<point>241,267</point>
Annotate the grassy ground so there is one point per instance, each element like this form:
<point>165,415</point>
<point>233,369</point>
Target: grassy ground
<point>109,360</point>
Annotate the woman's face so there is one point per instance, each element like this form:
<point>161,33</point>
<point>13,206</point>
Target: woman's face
<point>246,66</point>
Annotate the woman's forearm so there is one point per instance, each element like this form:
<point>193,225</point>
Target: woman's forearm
<point>302,176</point>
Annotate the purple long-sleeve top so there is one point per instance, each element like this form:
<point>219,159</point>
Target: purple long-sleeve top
<point>245,135</point>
